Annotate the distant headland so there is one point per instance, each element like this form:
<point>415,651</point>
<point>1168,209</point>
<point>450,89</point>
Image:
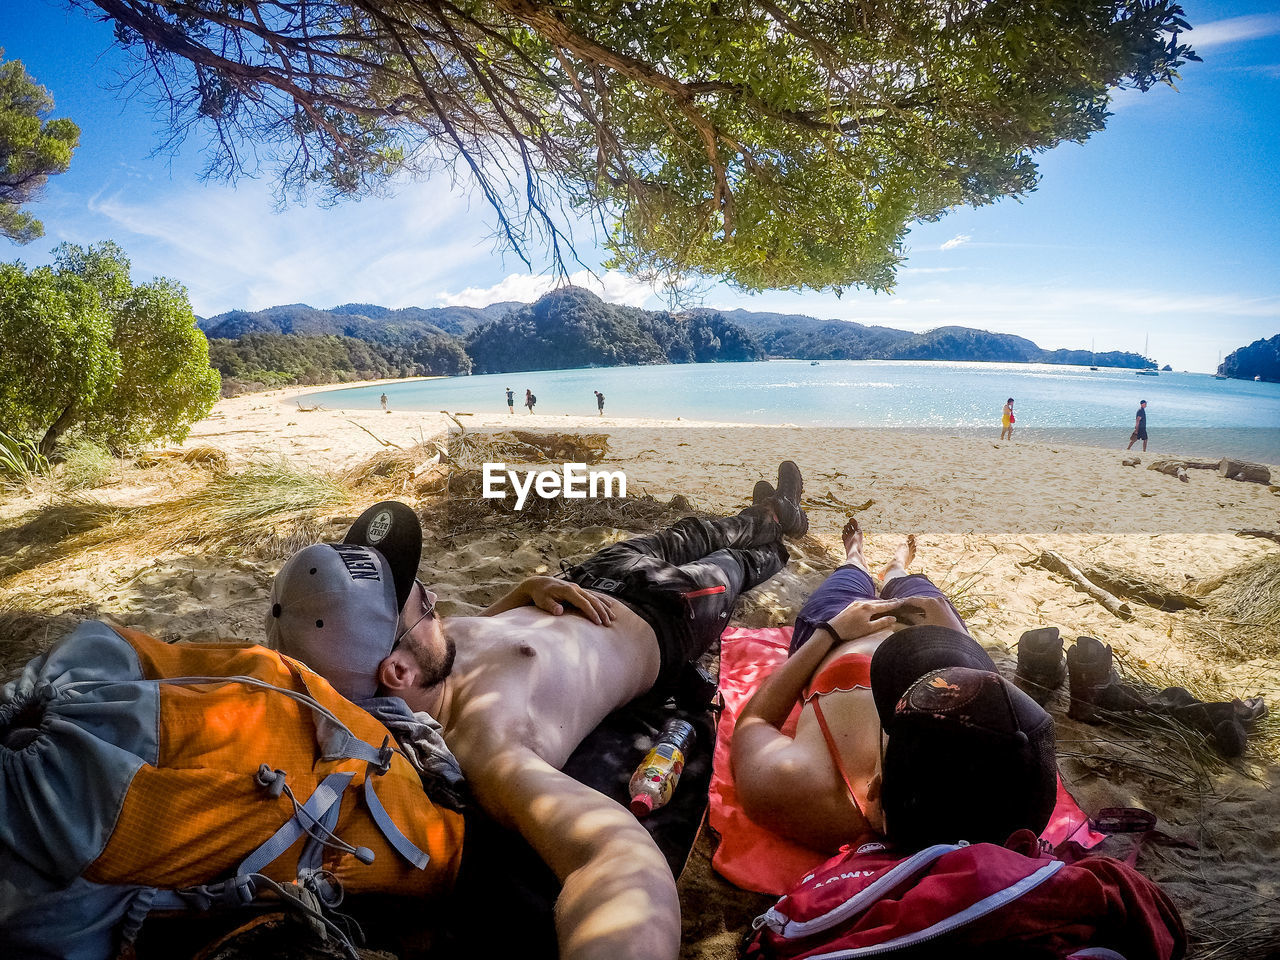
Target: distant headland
<point>572,327</point>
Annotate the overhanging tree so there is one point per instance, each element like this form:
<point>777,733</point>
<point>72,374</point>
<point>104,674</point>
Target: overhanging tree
<point>31,149</point>
<point>775,143</point>
<point>82,348</point>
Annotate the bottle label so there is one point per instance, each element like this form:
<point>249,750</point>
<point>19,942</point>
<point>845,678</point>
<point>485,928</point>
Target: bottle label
<point>658,772</point>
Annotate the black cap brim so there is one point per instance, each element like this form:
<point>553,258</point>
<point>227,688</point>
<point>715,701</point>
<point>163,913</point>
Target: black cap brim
<point>911,653</point>
<point>393,529</point>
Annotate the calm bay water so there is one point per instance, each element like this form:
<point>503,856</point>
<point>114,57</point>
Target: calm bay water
<point>1187,412</point>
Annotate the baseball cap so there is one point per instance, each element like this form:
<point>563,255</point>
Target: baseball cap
<point>393,529</point>
<point>336,606</point>
<point>969,756</point>
<point>333,606</point>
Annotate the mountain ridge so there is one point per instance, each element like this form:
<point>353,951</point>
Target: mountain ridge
<point>547,337</point>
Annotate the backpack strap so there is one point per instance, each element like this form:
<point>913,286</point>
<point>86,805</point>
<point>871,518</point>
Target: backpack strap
<point>402,844</point>
<point>328,794</point>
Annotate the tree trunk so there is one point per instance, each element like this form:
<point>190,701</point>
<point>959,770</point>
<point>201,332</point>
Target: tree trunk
<point>50,438</point>
<point>1244,470</point>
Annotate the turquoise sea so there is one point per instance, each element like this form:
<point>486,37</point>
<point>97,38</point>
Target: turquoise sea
<point>1186,412</point>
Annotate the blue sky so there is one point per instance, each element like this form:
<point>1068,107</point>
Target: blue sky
<point>1164,226</point>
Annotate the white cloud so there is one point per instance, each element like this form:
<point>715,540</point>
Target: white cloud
<point>233,248</point>
<point>959,240</point>
<point>612,286</point>
<point>1233,30</point>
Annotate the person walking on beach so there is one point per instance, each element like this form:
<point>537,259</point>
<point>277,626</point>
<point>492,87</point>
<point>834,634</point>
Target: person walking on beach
<point>511,401</point>
<point>600,402</point>
<point>529,399</point>
<point>384,401</point>
<point>1006,421</point>
<point>1139,427</point>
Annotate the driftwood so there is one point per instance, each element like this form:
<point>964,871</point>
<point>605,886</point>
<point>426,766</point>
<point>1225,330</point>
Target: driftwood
<point>1262,534</point>
<point>1227,467</point>
<point>1179,468</point>
<point>1056,563</point>
<point>1244,470</point>
<point>831,500</point>
<point>385,443</point>
<point>1132,587</point>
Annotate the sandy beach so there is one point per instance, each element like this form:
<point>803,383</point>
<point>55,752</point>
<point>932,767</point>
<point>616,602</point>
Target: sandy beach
<point>983,511</point>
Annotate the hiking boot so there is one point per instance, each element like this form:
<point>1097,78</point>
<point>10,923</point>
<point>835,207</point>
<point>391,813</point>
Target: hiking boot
<point>762,493</point>
<point>1094,683</point>
<point>786,501</point>
<point>1226,724</point>
<point>1041,665</point>
<point>790,483</point>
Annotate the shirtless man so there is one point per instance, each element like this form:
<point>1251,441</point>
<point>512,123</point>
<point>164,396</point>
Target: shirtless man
<point>904,666</point>
<point>518,687</point>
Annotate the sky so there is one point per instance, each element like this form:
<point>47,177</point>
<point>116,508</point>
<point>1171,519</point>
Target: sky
<point>1162,229</point>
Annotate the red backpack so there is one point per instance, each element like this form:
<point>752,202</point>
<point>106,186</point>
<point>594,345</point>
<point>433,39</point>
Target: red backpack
<point>950,900</point>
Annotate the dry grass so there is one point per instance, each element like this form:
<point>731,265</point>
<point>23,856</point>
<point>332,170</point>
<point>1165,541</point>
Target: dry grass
<point>265,510</point>
<point>463,510</point>
<point>203,456</point>
<point>1241,620</point>
<point>1165,749</point>
<point>961,590</point>
<point>448,477</point>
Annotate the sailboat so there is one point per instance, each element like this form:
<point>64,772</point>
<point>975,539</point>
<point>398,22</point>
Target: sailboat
<point>1093,357</point>
<point>1217,371</point>
<point>1149,371</point>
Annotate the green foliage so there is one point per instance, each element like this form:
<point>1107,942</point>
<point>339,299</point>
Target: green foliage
<point>575,328</point>
<point>31,149</point>
<point>274,359</point>
<point>84,348</point>
<point>776,143</point>
<point>440,355</point>
<point>85,464</point>
<point>806,338</point>
<point>56,355</point>
<point>20,460</point>
<point>1259,359</point>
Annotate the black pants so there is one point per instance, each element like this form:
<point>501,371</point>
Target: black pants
<point>685,579</point>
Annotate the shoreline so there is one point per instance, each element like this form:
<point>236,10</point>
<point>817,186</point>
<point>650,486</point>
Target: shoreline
<point>1196,441</point>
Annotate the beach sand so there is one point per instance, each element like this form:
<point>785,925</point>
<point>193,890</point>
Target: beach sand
<point>981,509</point>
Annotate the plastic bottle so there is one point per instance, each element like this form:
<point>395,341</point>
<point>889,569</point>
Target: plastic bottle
<point>655,779</point>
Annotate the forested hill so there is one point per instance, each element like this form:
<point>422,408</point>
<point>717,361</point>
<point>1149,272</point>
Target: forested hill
<point>807,338</point>
<point>364,321</point>
<point>575,328</point>
<point>1259,359</point>
<point>571,327</point>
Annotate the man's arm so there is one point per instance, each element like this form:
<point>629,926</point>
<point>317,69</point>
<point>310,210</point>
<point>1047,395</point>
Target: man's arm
<point>618,898</point>
<point>555,597</point>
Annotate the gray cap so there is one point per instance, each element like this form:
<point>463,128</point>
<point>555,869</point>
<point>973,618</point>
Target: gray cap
<point>334,607</point>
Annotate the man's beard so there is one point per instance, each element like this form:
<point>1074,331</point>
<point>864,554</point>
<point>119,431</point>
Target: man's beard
<point>435,666</point>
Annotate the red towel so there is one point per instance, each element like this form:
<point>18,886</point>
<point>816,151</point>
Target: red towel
<point>754,858</point>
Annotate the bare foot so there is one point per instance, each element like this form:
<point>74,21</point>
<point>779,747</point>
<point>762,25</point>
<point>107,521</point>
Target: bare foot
<point>851,535</point>
<point>902,557</point>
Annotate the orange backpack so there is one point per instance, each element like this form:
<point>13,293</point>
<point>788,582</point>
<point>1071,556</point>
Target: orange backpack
<point>196,775</point>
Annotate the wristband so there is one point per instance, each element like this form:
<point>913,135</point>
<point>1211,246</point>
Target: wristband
<point>826,625</point>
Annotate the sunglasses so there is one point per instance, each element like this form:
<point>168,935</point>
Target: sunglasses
<point>428,600</point>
